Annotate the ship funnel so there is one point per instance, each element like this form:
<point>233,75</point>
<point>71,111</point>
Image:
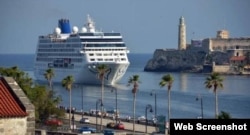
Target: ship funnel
<point>64,25</point>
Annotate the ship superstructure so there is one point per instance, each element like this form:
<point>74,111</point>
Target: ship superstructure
<point>79,52</point>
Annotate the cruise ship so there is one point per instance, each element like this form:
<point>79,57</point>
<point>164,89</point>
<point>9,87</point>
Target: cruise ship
<point>78,52</point>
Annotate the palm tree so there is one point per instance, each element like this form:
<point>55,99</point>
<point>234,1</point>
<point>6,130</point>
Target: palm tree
<point>102,69</point>
<point>135,81</point>
<point>224,115</point>
<point>216,81</point>
<point>167,80</point>
<point>67,83</point>
<point>49,74</point>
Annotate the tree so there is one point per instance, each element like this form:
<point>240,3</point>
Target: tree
<point>67,83</point>
<point>134,80</point>
<point>49,74</point>
<point>215,81</point>
<point>44,105</point>
<point>224,115</point>
<point>37,94</point>
<point>167,80</point>
<point>14,72</point>
<point>102,69</point>
<point>22,78</point>
<point>248,58</point>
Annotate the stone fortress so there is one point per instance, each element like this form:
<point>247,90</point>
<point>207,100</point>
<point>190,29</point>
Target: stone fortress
<point>221,54</point>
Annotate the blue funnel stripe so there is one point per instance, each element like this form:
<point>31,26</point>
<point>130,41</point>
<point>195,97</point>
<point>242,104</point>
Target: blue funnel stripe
<point>64,25</point>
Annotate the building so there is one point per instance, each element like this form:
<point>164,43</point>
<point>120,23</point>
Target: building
<point>182,45</point>
<point>17,114</point>
<point>238,60</point>
<point>223,43</point>
<point>223,34</point>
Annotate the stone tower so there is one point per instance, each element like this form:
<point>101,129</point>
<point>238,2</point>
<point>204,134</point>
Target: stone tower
<point>182,35</point>
<point>223,34</point>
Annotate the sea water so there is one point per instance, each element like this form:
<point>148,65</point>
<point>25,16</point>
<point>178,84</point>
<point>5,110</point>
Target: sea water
<point>234,98</point>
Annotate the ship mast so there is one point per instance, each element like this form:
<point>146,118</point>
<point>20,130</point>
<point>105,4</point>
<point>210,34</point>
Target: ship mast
<point>90,25</point>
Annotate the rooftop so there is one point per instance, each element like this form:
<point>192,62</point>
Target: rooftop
<point>237,58</point>
<point>9,102</point>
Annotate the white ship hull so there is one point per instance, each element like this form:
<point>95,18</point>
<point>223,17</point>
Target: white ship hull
<point>78,53</point>
<point>87,74</point>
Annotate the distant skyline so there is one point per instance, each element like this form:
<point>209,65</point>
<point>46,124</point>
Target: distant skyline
<point>146,25</point>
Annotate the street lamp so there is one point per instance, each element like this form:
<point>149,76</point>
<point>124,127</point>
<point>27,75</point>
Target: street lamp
<point>115,103</point>
<point>98,102</point>
<point>73,119</point>
<point>153,92</point>
<point>82,102</point>
<point>148,107</point>
<point>197,99</point>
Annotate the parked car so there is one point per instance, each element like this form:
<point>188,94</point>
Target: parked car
<point>84,120</point>
<point>108,132</point>
<point>141,118</point>
<point>93,112</point>
<point>120,126</point>
<point>53,122</point>
<point>115,126</point>
<point>111,125</point>
<point>87,130</point>
<point>152,121</point>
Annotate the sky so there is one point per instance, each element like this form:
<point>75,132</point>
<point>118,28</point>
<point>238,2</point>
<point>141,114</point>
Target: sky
<point>146,25</point>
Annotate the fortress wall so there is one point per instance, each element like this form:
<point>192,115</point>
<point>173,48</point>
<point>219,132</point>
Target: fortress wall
<point>225,44</point>
<point>221,69</point>
<point>206,44</point>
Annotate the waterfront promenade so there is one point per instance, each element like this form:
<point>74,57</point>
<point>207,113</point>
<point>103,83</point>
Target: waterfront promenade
<point>139,128</point>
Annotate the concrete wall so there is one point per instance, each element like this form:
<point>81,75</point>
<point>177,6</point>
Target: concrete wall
<point>13,126</point>
<point>222,69</point>
<point>226,69</point>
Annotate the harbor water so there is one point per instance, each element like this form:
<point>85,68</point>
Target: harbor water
<point>234,98</point>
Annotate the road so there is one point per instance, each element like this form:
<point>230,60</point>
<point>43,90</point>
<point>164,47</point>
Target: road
<point>128,125</point>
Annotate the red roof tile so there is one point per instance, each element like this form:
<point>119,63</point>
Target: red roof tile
<point>237,58</point>
<point>8,104</point>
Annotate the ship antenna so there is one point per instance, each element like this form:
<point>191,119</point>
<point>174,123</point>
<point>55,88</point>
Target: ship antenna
<point>88,18</point>
<point>90,24</point>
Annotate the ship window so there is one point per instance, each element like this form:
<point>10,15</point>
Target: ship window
<point>92,59</point>
<point>101,40</point>
<point>105,45</point>
<point>98,54</point>
<point>123,59</point>
<point>75,45</point>
<point>106,54</point>
<point>122,54</point>
<point>108,59</point>
<point>91,54</point>
<point>99,59</point>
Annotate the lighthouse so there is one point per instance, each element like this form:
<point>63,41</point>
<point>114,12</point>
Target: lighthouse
<point>182,34</point>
